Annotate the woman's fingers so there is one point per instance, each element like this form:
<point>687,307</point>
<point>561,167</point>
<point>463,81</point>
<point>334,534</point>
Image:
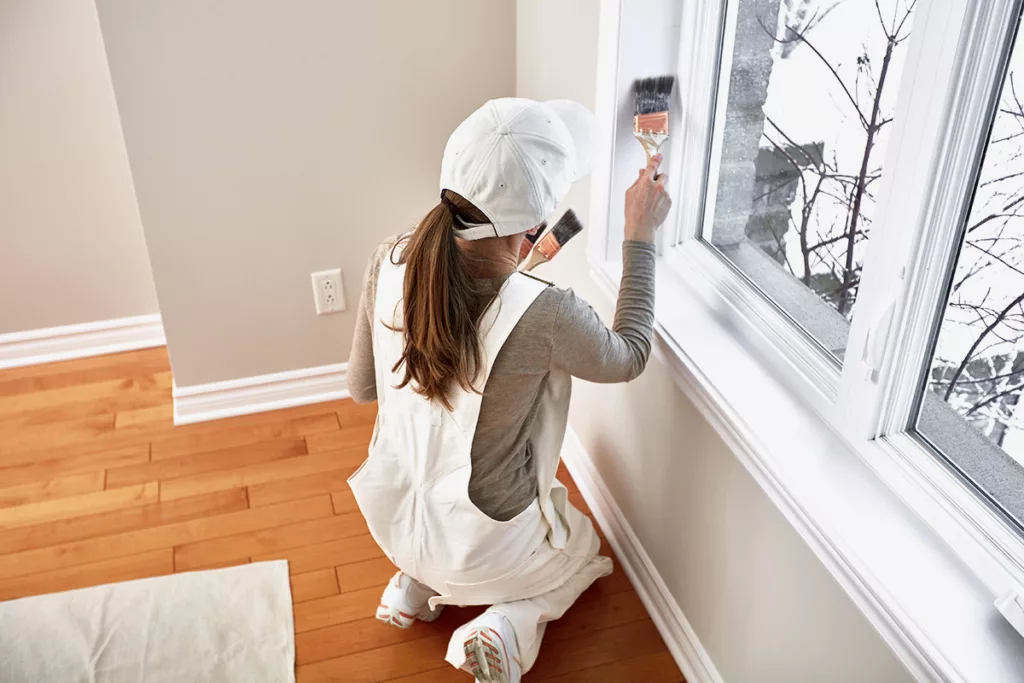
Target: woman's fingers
<point>652,166</point>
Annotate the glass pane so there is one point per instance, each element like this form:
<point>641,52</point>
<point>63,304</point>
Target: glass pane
<point>977,370</point>
<point>811,97</point>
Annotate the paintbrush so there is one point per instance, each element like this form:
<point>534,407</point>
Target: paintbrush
<point>567,227</point>
<point>650,125</point>
<point>531,239</point>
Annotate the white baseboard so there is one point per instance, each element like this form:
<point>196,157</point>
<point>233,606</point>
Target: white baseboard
<point>218,400</point>
<point>682,642</point>
<point>68,342</point>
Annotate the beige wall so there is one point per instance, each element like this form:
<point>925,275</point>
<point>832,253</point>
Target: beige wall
<point>269,139</point>
<point>761,603</point>
<point>71,244</point>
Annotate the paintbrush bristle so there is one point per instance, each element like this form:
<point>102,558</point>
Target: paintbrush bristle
<point>652,94</point>
<point>567,227</point>
<point>535,234</point>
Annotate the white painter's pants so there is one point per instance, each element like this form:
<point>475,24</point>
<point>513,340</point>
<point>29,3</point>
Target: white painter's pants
<point>529,618</point>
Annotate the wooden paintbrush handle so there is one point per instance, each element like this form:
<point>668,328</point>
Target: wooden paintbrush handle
<point>532,261</point>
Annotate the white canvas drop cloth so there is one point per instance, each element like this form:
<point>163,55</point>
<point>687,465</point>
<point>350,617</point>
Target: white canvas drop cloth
<point>224,626</point>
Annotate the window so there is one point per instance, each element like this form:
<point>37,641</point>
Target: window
<point>843,296</point>
<point>807,105</point>
<point>807,202</point>
<point>976,373</point>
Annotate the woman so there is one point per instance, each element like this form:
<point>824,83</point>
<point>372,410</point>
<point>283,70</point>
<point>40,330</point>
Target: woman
<point>470,363</point>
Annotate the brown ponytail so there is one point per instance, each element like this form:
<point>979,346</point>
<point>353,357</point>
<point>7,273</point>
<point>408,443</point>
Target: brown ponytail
<point>442,305</point>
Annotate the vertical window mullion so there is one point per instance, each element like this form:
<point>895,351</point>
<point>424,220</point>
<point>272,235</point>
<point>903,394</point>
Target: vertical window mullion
<point>699,73</point>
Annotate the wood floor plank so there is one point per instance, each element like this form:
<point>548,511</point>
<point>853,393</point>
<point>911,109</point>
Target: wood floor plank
<point>166,536</point>
<point>576,498</point>
<point>181,441</point>
<point>344,501</point>
<point>445,674</point>
<point>382,664</point>
<point>57,415</point>
<point>48,489</point>
<point>636,639</point>
<point>34,378</point>
<point>266,542</point>
<point>336,609</point>
<point>262,473</point>
<point>127,568</point>
<point>118,521</point>
<point>320,583</point>
<point>595,612</point>
<point>84,504</point>
<point>299,487</point>
<point>323,555</point>
<point>214,564</point>
<point>352,436</point>
<point>658,667</point>
<point>367,634</point>
<point>351,414</point>
<point>204,462</point>
<point>86,394</point>
<point>71,461</point>
<point>372,573</point>
<point>162,413</point>
<point>253,423</point>
<point>14,443</point>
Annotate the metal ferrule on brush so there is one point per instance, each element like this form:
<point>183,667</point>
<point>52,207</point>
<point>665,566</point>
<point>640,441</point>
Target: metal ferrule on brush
<point>651,130</point>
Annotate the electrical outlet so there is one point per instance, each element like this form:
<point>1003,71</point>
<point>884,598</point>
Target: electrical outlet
<point>328,291</point>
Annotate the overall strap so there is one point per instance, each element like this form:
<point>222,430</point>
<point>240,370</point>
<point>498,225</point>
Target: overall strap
<point>516,296</point>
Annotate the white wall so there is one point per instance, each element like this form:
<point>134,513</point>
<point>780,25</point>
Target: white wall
<point>761,603</point>
<point>269,139</point>
<point>71,244</point>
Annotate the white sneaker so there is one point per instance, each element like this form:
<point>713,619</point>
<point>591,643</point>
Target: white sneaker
<point>492,654</point>
<point>405,601</point>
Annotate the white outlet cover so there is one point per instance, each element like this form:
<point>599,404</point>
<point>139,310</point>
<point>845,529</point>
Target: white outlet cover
<point>328,291</point>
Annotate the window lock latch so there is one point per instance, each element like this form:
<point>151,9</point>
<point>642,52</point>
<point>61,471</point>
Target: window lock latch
<point>877,337</point>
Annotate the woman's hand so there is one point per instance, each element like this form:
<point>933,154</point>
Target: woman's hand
<point>647,203</point>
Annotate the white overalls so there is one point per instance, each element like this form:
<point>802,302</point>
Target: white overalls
<point>413,489</point>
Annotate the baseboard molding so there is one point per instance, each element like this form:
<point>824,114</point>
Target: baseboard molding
<point>682,642</point>
<point>218,400</point>
<point>69,342</point>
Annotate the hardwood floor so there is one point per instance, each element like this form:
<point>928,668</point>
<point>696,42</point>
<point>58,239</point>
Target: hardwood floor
<point>97,485</point>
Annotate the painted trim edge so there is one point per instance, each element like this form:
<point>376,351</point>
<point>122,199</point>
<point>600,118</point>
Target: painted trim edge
<point>70,342</point>
<point>260,393</point>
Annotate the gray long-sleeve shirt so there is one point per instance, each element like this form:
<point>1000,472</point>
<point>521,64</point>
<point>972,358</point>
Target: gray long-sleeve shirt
<point>558,331</point>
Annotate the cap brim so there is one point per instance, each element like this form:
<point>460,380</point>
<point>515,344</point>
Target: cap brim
<point>580,122</point>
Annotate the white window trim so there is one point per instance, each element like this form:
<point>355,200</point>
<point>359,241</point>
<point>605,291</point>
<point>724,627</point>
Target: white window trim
<point>920,555</point>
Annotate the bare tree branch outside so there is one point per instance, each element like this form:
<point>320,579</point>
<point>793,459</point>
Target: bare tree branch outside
<point>815,83</point>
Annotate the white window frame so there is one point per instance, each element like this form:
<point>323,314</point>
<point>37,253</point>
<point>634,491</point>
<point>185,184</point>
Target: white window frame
<point>918,551</point>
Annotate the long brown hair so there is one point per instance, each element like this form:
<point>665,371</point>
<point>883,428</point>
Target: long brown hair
<point>442,305</point>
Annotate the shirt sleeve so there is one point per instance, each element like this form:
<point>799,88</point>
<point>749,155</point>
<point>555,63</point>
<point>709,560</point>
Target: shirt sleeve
<point>361,373</point>
<point>582,344</point>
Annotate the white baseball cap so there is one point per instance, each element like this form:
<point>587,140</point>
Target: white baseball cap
<point>515,159</point>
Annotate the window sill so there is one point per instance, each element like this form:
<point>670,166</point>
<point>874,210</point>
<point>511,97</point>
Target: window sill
<point>893,546</point>
<point>974,455</point>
